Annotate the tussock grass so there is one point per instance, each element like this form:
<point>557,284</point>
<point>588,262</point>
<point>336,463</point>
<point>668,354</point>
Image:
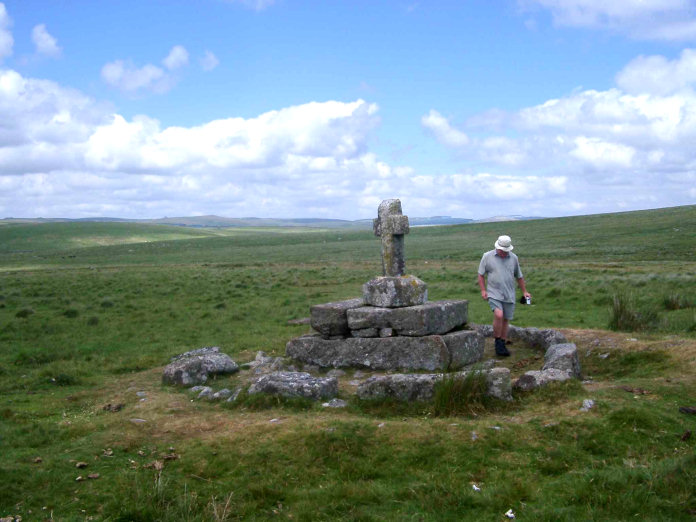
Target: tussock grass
<point>626,315</point>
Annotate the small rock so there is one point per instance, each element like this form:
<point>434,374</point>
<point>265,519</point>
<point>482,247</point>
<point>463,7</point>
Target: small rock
<point>688,409</point>
<point>474,435</point>
<point>141,453</point>
<point>509,513</point>
<point>355,382</point>
<point>274,420</point>
<point>335,373</point>
<point>335,403</point>
<point>138,421</point>
<point>475,487</point>
<point>235,394</point>
<point>222,394</point>
<point>108,452</point>
<point>587,405</point>
<point>497,428</point>
<point>170,456</point>
<point>141,394</point>
<point>38,460</point>
<point>80,478</point>
<point>93,476</point>
<point>81,465</point>
<point>113,408</point>
<point>603,355</point>
<point>206,392</point>
<point>380,425</point>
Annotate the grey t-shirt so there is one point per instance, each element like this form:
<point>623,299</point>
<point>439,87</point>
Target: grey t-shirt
<point>501,275</point>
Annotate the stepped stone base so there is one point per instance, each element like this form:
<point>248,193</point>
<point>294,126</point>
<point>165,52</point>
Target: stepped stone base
<point>433,352</point>
<point>437,317</point>
<point>395,291</point>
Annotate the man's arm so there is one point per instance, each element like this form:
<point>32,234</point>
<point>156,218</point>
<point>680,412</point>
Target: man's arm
<point>482,286</point>
<point>523,287</point>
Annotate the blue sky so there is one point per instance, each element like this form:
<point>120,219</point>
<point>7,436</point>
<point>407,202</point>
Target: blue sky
<point>291,108</point>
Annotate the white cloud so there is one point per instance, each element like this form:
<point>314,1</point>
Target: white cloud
<point>635,140</point>
<point>209,61</point>
<point>672,20</point>
<point>6,40</point>
<point>177,57</point>
<point>658,75</point>
<point>127,77</point>
<point>443,131</point>
<point>45,44</point>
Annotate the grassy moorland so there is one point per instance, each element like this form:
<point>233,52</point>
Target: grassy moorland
<point>90,312</point>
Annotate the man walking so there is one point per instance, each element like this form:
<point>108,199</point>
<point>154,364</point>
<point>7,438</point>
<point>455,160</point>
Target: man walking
<point>497,273</point>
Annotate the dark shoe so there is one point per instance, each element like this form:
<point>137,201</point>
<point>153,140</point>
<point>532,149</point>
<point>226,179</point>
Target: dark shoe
<point>500,348</point>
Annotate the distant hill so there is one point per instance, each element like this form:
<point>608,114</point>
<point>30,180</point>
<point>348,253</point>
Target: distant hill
<point>225,222</point>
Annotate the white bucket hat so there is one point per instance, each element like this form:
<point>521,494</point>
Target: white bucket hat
<point>504,243</point>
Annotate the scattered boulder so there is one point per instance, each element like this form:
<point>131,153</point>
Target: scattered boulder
<point>296,384</point>
<point>335,403</point>
<point>195,366</point>
<point>465,347</point>
<point>222,394</point>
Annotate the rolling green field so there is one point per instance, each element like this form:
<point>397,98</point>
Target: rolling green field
<point>91,312</point>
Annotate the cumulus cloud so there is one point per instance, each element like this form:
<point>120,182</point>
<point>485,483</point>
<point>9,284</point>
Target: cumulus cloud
<point>635,139</point>
<point>127,77</point>
<point>673,20</point>
<point>6,40</point>
<point>209,61</point>
<point>45,44</point>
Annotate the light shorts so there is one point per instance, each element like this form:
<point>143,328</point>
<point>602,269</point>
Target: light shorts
<point>507,308</point>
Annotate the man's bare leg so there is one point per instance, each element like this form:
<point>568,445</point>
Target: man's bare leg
<point>504,329</point>
<point>499,324</point>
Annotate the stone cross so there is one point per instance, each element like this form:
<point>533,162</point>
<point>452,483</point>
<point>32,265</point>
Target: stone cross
<point>391,225</point>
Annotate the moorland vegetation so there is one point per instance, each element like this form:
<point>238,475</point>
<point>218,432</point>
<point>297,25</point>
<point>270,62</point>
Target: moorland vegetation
<point>91,312</point>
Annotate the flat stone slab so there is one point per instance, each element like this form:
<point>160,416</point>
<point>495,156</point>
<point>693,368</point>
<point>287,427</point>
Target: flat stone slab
<point>535,379</point>
<point>329,319</point>
<point>194,367</point>
<point>388,353</point>
<point>563,357</point>
<point>395,291</point>
<point>296,384</point>
<point>421,387</point>
<point>431,318</point>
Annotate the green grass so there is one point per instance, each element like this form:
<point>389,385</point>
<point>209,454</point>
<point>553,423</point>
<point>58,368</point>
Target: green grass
<point>89,313</point>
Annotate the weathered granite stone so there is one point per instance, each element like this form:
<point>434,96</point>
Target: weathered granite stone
<point>535,337</point>
<point>296,384</point>
<point>403,387</point>
<point>498,380</point>
<point>465,347</point>
<point>194,367</point>
<point>563,357</point>
<point>329,319</point>
<point>365,332</point>
<point>534,379</point>
<point>386,332</point>
<point>222,394</point>
<point>406,353</point>
<point>335,403</point>
<point>421,387</point>
<point>390,226</point>
<point>431,318</point>
<point>395,291</point>
<point>205,393</point>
